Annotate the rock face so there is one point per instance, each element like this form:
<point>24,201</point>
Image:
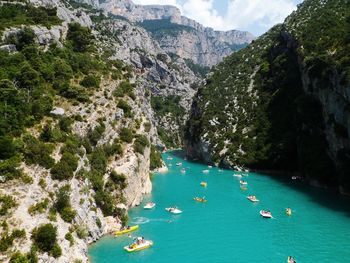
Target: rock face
<point>204,46</point>
<point>282,103</point>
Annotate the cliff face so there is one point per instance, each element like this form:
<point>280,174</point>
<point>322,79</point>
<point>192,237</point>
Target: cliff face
<point>283,102</point>
<point>204,46</point>
<point>95,132</point>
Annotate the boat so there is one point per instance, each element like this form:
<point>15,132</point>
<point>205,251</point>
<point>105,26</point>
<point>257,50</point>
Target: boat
<point>169,158</point>
<point>201,200</point>
<point>237,168</point>
<point>204,184</point>
<point>205,171</point>
<point>149,205</point>
<point>252,198</point>
<point>289,211</point>
<point>210,167</point>
<point>183,170</point>
<point>237,175</point>
<point>220,170</point>
<point>265,214</point>
<point>291,260</point>
<point>178,164</point>
<point>139,244</point>
<point>126,230</point>
<point>244,188</point>
<point>243,182</point>
<point>173,210</point>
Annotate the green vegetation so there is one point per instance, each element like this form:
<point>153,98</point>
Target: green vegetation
<point>40,207</point>
<point>165,105</point>
<point>64,169</point>
<point>254,110</point>
<point>63,205</point>
<point>125,88</point>
<point>16,15</point>
<point>140,143</point>
<point>155,158</point>
<point>45,238</point>
<point>122,104</point>
<point>6,240</point>
<point>126,135</point>
<point>37,152</point>
<point>7,202</point>
<point>197,69</point>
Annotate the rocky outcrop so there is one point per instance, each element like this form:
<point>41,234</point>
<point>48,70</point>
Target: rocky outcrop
<point>204,46</point>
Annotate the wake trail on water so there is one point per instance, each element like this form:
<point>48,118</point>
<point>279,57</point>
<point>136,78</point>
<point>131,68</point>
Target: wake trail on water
<point>145,220</point>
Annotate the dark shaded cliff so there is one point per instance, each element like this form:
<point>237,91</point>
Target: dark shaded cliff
<point>282,103</point>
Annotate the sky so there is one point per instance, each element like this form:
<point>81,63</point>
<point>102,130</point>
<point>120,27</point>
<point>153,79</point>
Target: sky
<point>255,16</point>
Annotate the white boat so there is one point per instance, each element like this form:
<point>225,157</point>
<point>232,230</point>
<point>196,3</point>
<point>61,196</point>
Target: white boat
<point>265,214</point>
<point>178,164</point>
<point>205,171</point>
<point>220,170</point>
<point>139,244</point>
<point>237,168</point>
<point>237,175</point>
<point>149,205</point>
<point>243,182</point>
<point>252,198</point>
<point>169,158</point>
<point>173,210</point>
<point>210,167</point>
<point>183,170</point>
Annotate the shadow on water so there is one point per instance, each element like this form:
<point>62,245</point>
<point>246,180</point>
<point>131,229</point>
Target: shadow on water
<point>330,199</point>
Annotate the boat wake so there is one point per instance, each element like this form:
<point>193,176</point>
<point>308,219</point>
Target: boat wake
<point>140,220</point>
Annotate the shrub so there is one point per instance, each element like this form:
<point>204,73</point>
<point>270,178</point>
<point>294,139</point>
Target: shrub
<point>6,240</point>
<point>119,179</point>
<point>125,107</point>
<point>56,251</point>
<point>79,37</point>
<point>126,135</point>
<point>91,81</point>
<point>65,168</point>
<point>7,202</point>
<point>65,124</point>
<point>44,237</point>
<point>37,152</point>
<point>98,160</point>
<point>9,169</point>
<point>82,232</point>
<point>7,147</point>
<point>94,135</point>
<point>140,143</point>
<point>106,202</point>
<point>70,238</point>
<point>63,205</point>
<point>39,207</point>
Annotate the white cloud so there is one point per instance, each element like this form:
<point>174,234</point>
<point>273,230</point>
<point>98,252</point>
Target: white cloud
<point>240,14</point>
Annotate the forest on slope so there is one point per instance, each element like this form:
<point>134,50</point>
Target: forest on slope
<point>282,103</point>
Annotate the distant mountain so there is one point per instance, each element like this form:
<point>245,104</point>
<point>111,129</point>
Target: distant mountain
<point>177,34</point>
<point>282,103</point>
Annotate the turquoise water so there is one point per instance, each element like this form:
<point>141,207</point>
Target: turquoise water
<point>228,228</point>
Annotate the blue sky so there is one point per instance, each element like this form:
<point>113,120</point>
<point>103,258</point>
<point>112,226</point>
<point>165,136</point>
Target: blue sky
<point>255,16</point>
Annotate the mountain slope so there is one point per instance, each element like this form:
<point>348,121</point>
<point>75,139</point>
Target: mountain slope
<point>180,35</point>
<point>283,102</point>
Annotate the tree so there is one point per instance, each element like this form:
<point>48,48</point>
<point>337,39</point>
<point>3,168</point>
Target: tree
<point>7,147</point>
<point>44,237</point>
<point>80,37</point>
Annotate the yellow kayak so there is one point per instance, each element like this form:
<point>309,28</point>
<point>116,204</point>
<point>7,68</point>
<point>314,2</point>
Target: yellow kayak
<point>204,184</point>
<point>198,199</point>
<point>127,230</point>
